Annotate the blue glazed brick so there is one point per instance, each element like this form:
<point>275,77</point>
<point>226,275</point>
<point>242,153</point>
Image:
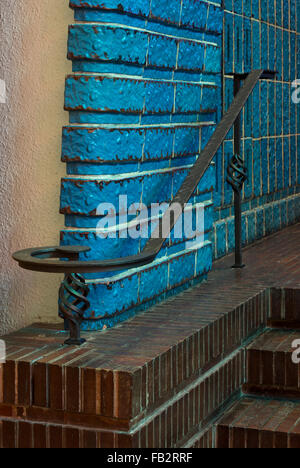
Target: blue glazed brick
<point>238,44</point>
<point>272,165</point>
<point>284,213</point>
<point>286,56</point>
<point>279,163</point>
<point>264,166</point>
<point>271,110</point>
<point>293,15</point>
<point>272,48</point>
<point>257,168</point>
<point>248,161</point>
<point>194,98</point>
<point>255,9</point>
<point>103,94</point>
<point>162,52</point>
<point>293,159</point>
<point>153,282</point>
<point>247,45</point>
<point>215,19</point>
<point>264,10</point>
<point>228,153</point>
<point>272,9</point>
<point>228,5</point>
<point>286,108</point>
<point>251,221</point>
<point>279,106</point>
<point>139,7</point>
<point>107,43</point>
<point>164,10</point>
<point>111,297</point>
<point>286,154</point>
<point>231,235</point>
<point>238,6</point>
<point>247,8</point>
<point>256,45</point>
<point>229,45</point>
<point>179,275</point>
<point>269,219</point>
<point>276,217</point>
<point>194,13</point>
<point>260,223</point>
<point>264,46</point>
<point>293,52</point>
<point>286,14</point>
<point>263,105</point>
<point>212,59</point>
<point>279,47</point>
<point>221,239</point>
<point>279,12</point>
<point>204,259</point>
<point>191,54</point>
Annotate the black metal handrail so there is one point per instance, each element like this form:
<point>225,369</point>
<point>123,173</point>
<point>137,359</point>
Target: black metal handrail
<point>66,259</point>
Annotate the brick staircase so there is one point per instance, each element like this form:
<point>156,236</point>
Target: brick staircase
<point>202,370</point>
<point>271,418</point>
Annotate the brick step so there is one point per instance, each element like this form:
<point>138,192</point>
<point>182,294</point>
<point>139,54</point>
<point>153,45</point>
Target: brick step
<point>270,366</point>
<point>260,423</point>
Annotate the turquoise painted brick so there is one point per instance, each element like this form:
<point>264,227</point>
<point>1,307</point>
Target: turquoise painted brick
<point>272,9</point>
<point>251,221</point>
<point>279,47</point>
<point>204,259</point>
<point>279,20</point>
<point>179,275</point>
<point>256,45</point>
<point>260,223</point>
<point>238,44</point>
<point>255,9</point>
<point>153,282</point>
<point>286,158</point>
<point>221,239</point>
<point>231,235</point>
<point>107,43</point>
<point>257,168</point>
<point>112,297</point>
<point>194,13</point>
<point>190,52</point>
<point>134,96</point>
<point>272,165</point>
<point>164,10</point>
<point>276,217</point>
<point>269,219</point>
<point>162,52</point>
<point>138,7</point>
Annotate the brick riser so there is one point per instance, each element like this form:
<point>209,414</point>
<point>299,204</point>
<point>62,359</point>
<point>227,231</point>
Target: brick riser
<point>260,421</point>
<point>164,378</point>
<point>271,370</point>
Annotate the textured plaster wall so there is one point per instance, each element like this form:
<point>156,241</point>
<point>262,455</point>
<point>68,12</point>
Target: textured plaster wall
<point>33,41</point>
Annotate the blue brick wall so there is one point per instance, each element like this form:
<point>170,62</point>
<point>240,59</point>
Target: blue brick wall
<point>150,81</point>
<point>144,98</point>
<point>261,34</point>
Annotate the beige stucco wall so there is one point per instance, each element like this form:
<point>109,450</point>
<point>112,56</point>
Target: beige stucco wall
<point>33,39</point>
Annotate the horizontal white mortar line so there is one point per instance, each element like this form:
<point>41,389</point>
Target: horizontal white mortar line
<point>139,78</point>
<point>141,127</point>
<point>156,262</point>
<point>128,175</point>
<point>122,26</point>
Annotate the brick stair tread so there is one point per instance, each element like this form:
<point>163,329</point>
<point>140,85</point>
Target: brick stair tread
<point>270,367</point>
<point>260,423</point>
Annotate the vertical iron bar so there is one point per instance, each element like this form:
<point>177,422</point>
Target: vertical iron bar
<point>237,193</point>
